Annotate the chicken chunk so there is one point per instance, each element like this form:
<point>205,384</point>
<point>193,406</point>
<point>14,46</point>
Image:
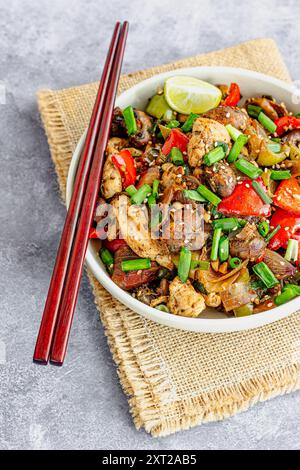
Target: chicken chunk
<point>111,179</point>
<point>206,132</point>
<point>135,231</point>
<point>184,300</point>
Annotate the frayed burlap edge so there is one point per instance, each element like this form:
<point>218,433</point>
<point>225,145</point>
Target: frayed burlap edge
<point>139,368</point>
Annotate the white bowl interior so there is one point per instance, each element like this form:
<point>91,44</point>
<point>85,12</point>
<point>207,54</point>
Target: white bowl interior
<point>251,84</point>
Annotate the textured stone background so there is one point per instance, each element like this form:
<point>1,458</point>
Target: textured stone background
<point>56,44</point>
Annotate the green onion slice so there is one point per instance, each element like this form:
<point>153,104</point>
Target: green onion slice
<point>267,122</point>
<point>263,228</point>
<point>106,257</point>
<point>261,192</point>
<point>289,292</point>
<point>208,195</point>
<point>235,262</point>
<point>200,264</point>
<point>194,195</point>
<point>184,264</point>
<point>130,121</point>
<point>233,132</point>
<point>135,264</point>
<point>141,194</point>
<point>155,186</point>
<point>280,175</point>
<point>224,249</point>
<point>291,253</point>
<point>248,168</point>
<point>188,124</point>
<point>253,110</point>
<point>131,190</point>
<point>226,224</point>
<point>271,235</point>
<point>162,308</point>
<point>176,156</point>
<point>265,274</point>
<point>214,156</point>
<point>237,147</point>
<point>215,244</point>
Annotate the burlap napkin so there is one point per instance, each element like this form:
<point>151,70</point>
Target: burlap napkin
<point>175,379</point>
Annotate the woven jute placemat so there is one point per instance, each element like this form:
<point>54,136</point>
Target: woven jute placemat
<point>176,379</point>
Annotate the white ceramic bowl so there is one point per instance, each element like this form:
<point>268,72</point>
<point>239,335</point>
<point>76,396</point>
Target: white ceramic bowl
<point>251,84</point>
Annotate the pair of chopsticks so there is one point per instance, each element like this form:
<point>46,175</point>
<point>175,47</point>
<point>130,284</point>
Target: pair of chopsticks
<point>62,295</point>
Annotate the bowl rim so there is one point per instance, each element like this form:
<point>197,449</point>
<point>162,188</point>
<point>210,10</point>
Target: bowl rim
<point>207,325</point>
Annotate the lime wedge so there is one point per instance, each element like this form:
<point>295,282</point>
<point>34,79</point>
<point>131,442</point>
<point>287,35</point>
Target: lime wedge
<point>190,95</point>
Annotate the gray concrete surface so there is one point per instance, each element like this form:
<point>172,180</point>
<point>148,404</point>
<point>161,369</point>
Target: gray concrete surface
<point>56,44</point>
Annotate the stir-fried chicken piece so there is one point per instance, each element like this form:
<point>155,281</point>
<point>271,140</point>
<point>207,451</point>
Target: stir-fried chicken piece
<point>136,232</point>
<point>111,179</point>
<point>206,132</point>
<point>184,300</point>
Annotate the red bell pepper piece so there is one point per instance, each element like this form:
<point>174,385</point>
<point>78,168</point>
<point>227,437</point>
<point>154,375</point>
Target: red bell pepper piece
<point>287,195</point>
<point>289,228</point>
<point>177,139</point>
<point>96,233</point>
<point>114,245</point>
<point>234,95</point>
<point>245,201</point>
<point>124,161</point>
<point>286,123</point>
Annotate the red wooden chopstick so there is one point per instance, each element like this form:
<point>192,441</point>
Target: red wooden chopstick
<point>75,266</point>
<point>47,327</point>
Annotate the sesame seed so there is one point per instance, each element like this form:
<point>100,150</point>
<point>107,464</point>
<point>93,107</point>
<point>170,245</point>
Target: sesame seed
<point>247,185</point>
<point>270,304</point>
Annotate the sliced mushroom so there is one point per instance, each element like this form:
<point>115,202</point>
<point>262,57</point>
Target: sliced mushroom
<point>247,243</point>
<point>221,178</point>
<point>292,137</point>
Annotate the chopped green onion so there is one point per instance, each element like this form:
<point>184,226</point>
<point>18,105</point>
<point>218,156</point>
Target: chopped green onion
<point>280,175</point>
<point>289,292</point>
<point>235,262</point>
<point>173,124</point>
<point>106,256</point>
<point>176,156</point>
<point>276,139</point>
<point>162,308</point>
<point>261,192</point>
<point>131,190</point>
<point>151,200</point>
<point>194,195</point>
<point>248,168</point>
<point>233,132</point>
<point>208,195</point>
<point>135,264</point>
<point>184,265</point>
<point>199,264</point>
<point>141,194</point>
<point>214,156</point>
<point>265,274</point>
<point>253,110</point>
<point>188,124</point>
<point>215,244</point>
<point>224,249</point>
<point>199,287</point>
<point>223,145</point>
<point>275,148</point>
<point>226,224</point>
<point>291,253</point>
<point>267,122</point>
<point>271,235</point>
<point>263,228</point>
<point>155,186</point>
<point>130,121</point>
<point>237,147</point>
